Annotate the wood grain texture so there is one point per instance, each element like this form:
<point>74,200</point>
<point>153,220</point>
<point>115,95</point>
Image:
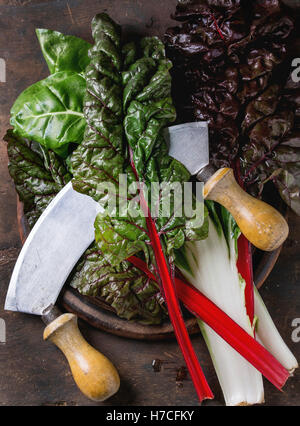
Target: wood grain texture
<point>35,373</point>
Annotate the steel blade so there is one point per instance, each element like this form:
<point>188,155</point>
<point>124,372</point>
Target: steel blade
<point>56,242</point>
<point>188,143</point>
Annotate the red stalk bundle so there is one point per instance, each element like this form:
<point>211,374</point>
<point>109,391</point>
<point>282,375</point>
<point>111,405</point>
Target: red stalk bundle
<point>202,388</point>
<point>208,312</point>
<point>228,329</point>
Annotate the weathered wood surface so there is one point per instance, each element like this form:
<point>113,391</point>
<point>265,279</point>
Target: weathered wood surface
<point>33,372</point>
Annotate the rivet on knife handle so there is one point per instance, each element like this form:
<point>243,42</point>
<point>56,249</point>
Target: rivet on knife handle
<point>261,224</point>
<point>93,373</point>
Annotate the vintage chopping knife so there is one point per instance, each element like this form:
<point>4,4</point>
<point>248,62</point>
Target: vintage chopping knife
<point>58,239</point>
<point>262,225</point>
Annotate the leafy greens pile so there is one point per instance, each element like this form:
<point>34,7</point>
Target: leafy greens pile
<point>100,113</point>
<point>232,68</point>
<point>127,106</point>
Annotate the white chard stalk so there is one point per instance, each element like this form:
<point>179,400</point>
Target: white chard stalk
<point>268,335</point>
<point>210,265</point>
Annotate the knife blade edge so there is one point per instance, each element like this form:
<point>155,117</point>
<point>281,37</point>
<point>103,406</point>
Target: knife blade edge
<point>89,209</point>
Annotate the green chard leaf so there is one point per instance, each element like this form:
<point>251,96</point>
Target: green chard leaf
<point>50,111</point>
<point>63,52</point>
<point>127,289</point>
<point>127,105</point>
<point>38,174</point>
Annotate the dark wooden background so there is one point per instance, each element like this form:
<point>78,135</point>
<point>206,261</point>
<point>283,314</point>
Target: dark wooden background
<point>33,372</point>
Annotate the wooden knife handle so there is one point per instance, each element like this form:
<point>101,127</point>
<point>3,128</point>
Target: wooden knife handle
<point>93,373</point>
<point>261,224</point>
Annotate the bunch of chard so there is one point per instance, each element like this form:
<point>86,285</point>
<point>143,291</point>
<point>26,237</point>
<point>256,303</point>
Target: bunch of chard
<point>232,67</point>
<point>113,100</point>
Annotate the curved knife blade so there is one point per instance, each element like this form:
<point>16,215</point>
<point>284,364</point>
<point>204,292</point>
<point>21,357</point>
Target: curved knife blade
<point>56,242</point>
